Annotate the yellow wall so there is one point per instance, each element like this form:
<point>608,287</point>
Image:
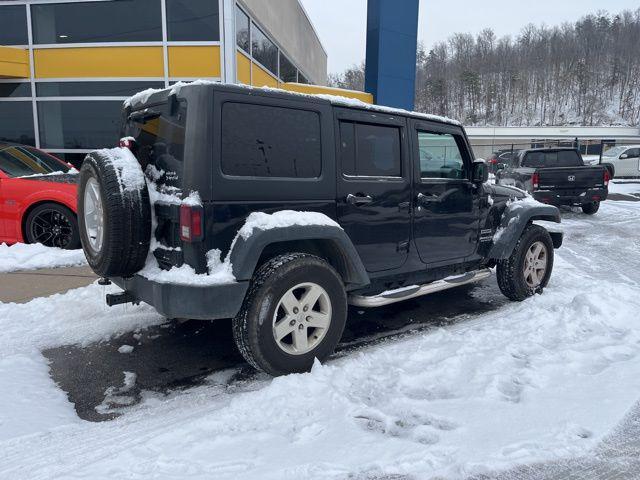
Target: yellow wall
<point>315,89</point>
<point>261,78</point>
<point>243,69</point>
<point>194,61</point>
<point>14,63</point>
<point>98,62</point>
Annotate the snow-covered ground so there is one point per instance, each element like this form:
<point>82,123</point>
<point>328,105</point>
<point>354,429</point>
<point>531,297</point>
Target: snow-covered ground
<point>21,256</point>
<point>530,381</point>
<point>625,187</point>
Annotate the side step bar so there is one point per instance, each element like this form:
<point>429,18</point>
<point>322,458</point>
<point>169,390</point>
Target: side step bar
<point>401,294</point>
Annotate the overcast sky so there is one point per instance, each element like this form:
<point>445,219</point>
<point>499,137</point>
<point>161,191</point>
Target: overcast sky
<point>342,24</point>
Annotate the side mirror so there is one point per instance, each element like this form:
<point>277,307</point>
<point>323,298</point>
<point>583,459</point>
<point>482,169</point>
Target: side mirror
<point>479,172</point>
<point>623,156</point>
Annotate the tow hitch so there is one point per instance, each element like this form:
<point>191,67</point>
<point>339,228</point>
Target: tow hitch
<point>120,298</point>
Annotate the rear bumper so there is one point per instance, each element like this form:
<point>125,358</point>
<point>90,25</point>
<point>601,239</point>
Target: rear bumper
<point>199,302</point>
<point>571,197</point>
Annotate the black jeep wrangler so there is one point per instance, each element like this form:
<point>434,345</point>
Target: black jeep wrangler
<point>279,209</point>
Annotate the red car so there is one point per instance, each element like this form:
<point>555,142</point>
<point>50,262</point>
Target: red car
<point>37,198</point>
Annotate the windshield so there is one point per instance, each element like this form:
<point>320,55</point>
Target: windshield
<point>614,152</point>
<point>26,161</point>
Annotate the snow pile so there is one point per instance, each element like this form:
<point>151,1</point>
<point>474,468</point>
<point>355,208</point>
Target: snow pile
<point>281,219</point>
<point>127,168</point>
<point>220,272</point>
<point>22,256</point>
<point>79,317</point>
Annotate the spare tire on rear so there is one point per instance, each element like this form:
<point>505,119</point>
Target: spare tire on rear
<point>114,213</point>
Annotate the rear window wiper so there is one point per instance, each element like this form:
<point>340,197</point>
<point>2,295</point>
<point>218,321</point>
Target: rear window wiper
<point>143,116</point>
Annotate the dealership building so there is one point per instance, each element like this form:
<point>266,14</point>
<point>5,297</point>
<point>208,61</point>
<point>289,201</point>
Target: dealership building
<point>67,65</point>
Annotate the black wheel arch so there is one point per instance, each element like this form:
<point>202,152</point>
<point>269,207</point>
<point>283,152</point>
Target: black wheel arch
<point>327,242</point>
<point>515,221</point>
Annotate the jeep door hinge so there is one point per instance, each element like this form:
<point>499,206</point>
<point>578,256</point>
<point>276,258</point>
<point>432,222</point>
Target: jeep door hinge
<point>402,247</point>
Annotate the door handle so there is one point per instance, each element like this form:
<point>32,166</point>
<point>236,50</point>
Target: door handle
<point>359,199</point>
<point>426,199</point>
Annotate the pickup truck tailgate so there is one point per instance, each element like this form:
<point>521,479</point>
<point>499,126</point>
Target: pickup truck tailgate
<point>571,177</point>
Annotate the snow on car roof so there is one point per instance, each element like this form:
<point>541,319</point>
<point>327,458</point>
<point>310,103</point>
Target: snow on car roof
<point>143,96</point>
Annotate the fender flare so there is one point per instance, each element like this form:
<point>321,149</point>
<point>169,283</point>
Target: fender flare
<point>514,221</point>
<point>245,253</point>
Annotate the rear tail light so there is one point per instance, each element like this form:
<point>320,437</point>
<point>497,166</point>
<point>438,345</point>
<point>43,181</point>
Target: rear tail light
<point>126,142</point>
<point>191,220</point>
<point>535,180</point>
<point>606,177</point>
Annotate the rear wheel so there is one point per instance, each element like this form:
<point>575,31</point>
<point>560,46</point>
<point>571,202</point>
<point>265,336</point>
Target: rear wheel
<point>294,312</point>
<point>528,269</point>
<point>52,225</point>
<point>591,208</point>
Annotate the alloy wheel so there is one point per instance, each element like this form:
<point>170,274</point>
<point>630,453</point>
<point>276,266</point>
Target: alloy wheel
<point>535,264</point>
<point>51,228</point>
<point>93,215</point>
<point>302,318</point>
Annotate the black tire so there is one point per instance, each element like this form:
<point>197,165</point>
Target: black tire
<point>591,208</point>
<point>253,326</point>
<point>61,228</point>
<point>510,271</point>
<point>126,220</point>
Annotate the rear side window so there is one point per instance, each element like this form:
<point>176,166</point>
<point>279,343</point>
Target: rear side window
<point>370,150</point>
<point>272,142</point>
<point>160,142</point>
<point>561,158</point>
<point>569,158</point>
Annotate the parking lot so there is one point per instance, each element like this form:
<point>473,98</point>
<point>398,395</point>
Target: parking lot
<point>460,383</point>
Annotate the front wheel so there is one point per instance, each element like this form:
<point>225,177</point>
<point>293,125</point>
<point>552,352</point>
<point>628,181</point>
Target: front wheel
<point>591,208</point>
<point>294,312</point>
<point>53,226</point>
<point>528,269</point>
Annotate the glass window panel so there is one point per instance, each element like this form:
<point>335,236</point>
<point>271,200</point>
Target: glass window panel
<point>370,150</point>
<point>193,20</point>
<point>288,72</point>
<point>264,141</point>
<point>74,159</point>
<point>440,156</point>
<point>13,25</point>
<point>89,22</point>
<point>302,78</point>
<point>16,122</point>
<point>93,89</point>
<point>263,49</point>
<point>20,89</point>
<point>18,161</point>
<point>242,30</point>
<point>79,124</point>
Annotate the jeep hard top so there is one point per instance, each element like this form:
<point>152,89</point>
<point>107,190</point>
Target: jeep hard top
<point>279,209</point>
